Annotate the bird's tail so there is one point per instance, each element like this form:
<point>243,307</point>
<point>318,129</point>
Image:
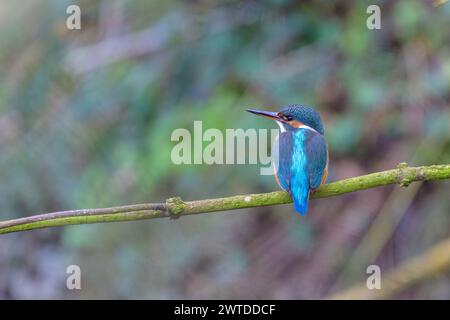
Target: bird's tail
<point>301,202</point>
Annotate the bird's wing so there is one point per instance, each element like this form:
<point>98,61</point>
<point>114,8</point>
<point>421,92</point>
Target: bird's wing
<point>317,155</point>
<point>282,157</point>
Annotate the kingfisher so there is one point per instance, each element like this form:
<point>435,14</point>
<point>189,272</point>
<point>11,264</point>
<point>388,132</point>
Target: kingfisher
<point>301,152</point>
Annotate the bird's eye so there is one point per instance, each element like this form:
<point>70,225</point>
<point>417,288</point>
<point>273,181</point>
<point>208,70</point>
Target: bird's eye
<point>288,118</point>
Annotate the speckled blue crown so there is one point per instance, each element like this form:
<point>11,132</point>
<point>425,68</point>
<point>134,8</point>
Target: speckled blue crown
<point>305,114</point>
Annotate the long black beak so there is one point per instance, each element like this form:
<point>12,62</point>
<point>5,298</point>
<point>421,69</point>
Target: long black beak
<point>266,114</point>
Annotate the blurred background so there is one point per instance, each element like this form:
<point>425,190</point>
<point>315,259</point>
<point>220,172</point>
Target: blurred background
<point>86,118</point>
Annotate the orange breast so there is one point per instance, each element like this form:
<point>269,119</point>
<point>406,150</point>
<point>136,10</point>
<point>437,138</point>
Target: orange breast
<point>325,171</point>
<point>277,179</point>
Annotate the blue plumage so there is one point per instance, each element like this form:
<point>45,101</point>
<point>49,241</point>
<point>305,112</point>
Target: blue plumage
<point>300,152</point>
<point>299,175</point>
<point>300,165</point>
<point>283,145</point>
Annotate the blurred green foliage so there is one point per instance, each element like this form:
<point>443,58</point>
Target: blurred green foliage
<point>86,118</point>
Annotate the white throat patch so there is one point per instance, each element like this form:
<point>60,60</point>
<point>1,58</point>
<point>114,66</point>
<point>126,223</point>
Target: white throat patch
<point>303,126</point>
<point>282,128</point>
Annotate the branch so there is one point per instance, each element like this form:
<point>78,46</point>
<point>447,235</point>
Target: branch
<point>421,268</point>
<point>175,207</point>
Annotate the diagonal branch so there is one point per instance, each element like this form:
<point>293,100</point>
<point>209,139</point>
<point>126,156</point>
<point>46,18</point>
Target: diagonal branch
<point>423,267</point>
<point>176,207</point>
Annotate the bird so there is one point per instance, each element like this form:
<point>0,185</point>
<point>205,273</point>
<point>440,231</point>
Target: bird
<point>301,153</point>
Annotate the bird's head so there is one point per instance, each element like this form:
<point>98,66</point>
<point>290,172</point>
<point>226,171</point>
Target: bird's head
<point>293,117</point>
